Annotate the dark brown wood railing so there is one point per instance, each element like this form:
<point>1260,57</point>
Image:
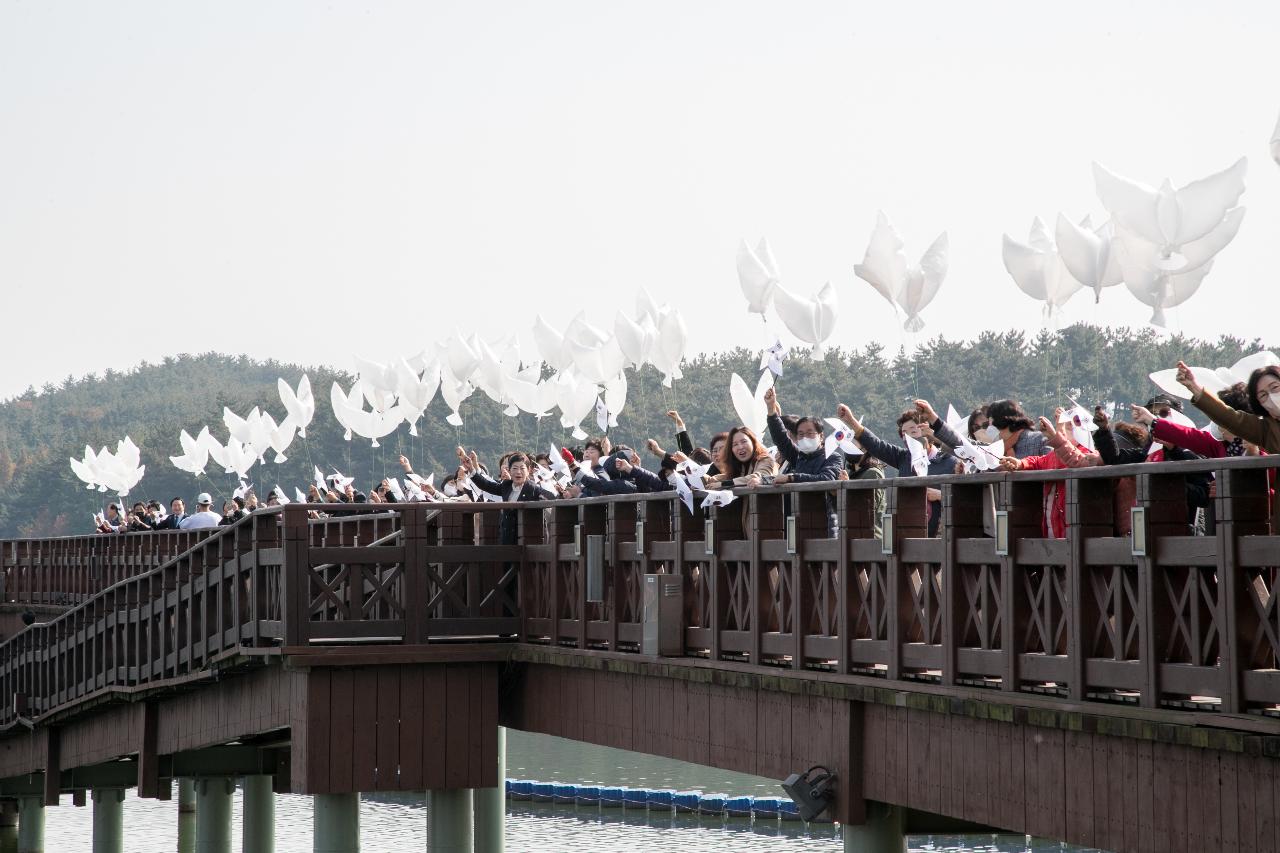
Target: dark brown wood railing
<point>1159,618</point>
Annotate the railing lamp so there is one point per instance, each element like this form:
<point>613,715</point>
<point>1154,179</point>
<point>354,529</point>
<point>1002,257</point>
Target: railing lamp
<point>709,537</point>
<point>1138,531</point>
<point>886,533</point>
<point>1002,533</point>
<point>791,534</point>
<point>640,537</point>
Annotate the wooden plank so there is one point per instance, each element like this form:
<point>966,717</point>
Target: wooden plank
<point>434,722</point>
<point>1078,800</point>
<point>489,728</point>
<point>364,739</point>
<point>387,763</point>
<point>1128,754</point>
<point>342,699</point>
<point>1146,785</point>
<point>457,728</point>
<point>410,734</point>
<point>1229,802</point>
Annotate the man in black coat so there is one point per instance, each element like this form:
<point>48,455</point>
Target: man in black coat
<point>177,512</point>
<point>518,488</point>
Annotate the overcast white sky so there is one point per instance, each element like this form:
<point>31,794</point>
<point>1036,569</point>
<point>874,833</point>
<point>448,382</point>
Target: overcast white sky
<point>306,181</point>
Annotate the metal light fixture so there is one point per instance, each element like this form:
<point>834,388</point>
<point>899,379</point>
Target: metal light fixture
<point>1002,533</point>
<point>709,537</point>
<point>640,537</point>
<point>1138,531</point>
<point>577,540</point>
<point>811,792</point>
<point>886,533</point>
<point>791,534</point>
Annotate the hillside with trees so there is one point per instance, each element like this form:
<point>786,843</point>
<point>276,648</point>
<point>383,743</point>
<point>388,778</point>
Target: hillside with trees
<point>40,429</point>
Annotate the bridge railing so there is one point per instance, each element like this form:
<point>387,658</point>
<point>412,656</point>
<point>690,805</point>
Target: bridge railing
<point>1126,608</point>
<point>1123,609</point>
<point>67,570</point>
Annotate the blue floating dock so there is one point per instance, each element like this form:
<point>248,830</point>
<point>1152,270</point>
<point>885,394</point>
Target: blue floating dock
<point>520,789</point>
<point>635,798</point>
<point>563,793</point>
<point>543,792</point>
<point>711,804</point>
<point>661,798</point>
<point>767,807</point>
<point>738,806</point>
<point>686,801</point>
<point>611,798</point>
<point>787,810</point>
<point>588,795</point>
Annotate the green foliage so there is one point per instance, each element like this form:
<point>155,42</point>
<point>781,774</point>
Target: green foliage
<point>39,496</point>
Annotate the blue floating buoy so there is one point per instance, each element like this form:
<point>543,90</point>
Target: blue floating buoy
<point>611,798</point>
<point>686,801</point>
<point>787,810</point>
<point>738,806</point>
<point>564,793</point>
<point>589,795</point>
<point>543,792</point>
<point>661,798</point>
<point>768,807</point>
<point>635,798</point>
<point>711,804</point>
<point>520,789</point>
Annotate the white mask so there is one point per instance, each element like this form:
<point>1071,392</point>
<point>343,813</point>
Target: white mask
<point>1272,406</point>
<point>450,491</point>
<point>990,433</point>
<point>808,445</point>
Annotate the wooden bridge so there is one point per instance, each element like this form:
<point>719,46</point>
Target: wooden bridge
<point>1117,691</point>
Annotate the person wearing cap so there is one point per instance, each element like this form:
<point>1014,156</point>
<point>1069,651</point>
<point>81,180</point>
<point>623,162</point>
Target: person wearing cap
<point>203,517</point>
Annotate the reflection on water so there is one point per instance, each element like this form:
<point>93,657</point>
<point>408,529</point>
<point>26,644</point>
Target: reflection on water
<point>394,823</point>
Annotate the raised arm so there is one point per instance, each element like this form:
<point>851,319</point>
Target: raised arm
<point>1252,428</point>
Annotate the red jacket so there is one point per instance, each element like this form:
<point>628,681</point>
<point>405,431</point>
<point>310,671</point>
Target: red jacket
<point>1053,521</point>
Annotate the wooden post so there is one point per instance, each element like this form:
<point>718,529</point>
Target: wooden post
<point>1241,510</point>
<point>1164,496</point>
<point>1090,515</point>
<point>961,519</point>
<point>295,576</point>
<point>1025,504</point>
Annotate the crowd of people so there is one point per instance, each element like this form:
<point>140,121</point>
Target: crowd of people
<point>1245,420</point>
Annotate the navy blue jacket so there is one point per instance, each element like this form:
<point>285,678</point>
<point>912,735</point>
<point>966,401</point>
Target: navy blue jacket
<point>812,467</point>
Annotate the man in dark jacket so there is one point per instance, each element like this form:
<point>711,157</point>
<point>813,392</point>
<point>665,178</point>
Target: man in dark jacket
<point>806,457</point>
<point>518,489</point>
<point>177,512</point>
<point>910,423</point>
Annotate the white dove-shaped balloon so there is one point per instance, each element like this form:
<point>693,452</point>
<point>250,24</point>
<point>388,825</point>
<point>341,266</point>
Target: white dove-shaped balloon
<point>669,348</point>
<point>416,391</point>
<point>1275,143</point>
<point>1169,218</point>
<point>1038,270</point>
<point>635,338</point>
<point>757,275</point>
<point>195,452</point>
<point>910,288</point>
<point>300,405</point>
<point>1089,254</point>
<point>615,397</point>
<point>550,344</point>
<point>750,405</point>
<point>811,320</point>
<point>1213,379</point>
<point>344,404</point>
<point>279,436</point>
<point>576,399</point>
<point>453,391</point>
<point>84,468</point>
<point>1159,289</point>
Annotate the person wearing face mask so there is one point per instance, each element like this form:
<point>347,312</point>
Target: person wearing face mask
<point>1261,424</point>
<point>920,424</point>
<point>1066,453</point>
<point>979,420</point>
<point>806,457</point>
<point>1010,423</point>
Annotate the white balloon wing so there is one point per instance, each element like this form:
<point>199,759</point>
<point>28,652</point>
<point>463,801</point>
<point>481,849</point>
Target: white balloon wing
<point>884,266</point>
<point>923,282</point>
<point>755,278</point>
<point>1087,254</point>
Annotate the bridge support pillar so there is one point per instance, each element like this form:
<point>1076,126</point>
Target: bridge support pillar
<point>186,796</point>
<point>449,821</point>
<point>491,806</point>
<point>884,831</point>
<point>335,823</point>
<point>31,825</point>
<point>8,814</point>
<point>259,815</point>
<point>108,820</point>
<point>213,814</point>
